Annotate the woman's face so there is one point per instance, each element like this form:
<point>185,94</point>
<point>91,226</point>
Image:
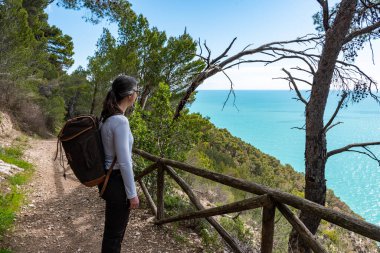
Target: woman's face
<point>135,94</point>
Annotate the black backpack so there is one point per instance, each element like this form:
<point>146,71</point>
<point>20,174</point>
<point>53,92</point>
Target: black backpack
<point>82,143</point>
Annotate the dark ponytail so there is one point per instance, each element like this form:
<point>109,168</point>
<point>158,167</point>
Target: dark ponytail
<point>122,86</point>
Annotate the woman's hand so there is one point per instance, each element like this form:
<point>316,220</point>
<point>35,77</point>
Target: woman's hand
<point>134,202</point>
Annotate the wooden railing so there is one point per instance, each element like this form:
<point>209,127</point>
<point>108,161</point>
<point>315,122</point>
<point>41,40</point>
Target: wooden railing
<point>269,199</point>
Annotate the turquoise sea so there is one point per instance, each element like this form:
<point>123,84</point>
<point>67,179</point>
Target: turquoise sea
<point>265,119</point>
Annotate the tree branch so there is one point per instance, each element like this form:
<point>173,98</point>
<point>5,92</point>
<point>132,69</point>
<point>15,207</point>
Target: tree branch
<point>335,124</point>
<point>268,47</point>
<point>357,33</point>
<point>295,87</point>
<point>373,157</point>
<point>200,46</point>
<point>231,91</point>
<point>294,78</point>
<point>371,5</point>
<point>274,47</point>
<point>325,11</point>
<point>344,95</point>
<point>224,53</point>
<point>209,54</point>
<point>348,147</point>
<point>202,57</point>
<point>303,70</point>
<point>299,128</point>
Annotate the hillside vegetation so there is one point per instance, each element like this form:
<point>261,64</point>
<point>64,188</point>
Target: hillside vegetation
<point>221,152</point>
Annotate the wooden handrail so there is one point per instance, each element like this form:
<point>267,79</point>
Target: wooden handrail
<point>146,171</point>
<point>238,206</point>
<point>351,223</point>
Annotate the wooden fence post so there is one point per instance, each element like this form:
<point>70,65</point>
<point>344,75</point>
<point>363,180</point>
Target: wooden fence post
<point>267,229</point>
<point>160,192</point>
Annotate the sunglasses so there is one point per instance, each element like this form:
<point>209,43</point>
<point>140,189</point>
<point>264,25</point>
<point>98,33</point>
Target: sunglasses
<point>136,90</point>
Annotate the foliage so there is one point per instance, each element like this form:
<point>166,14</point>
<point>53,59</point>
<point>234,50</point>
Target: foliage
<point>33,53</point>
<point>210,238</point>
<point>238,229</point>
<point>5,251</point>
<point>147,54</point>
<point>75,90</point>
<point>157,133</point>
<point>99,9</point>
<point>54,108</point>
<point>363,17</point>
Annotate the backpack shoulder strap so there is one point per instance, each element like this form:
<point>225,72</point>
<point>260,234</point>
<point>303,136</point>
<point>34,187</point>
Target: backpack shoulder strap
<point>107,177</point>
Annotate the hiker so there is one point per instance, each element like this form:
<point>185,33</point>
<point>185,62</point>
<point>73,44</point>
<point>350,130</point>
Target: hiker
<point>120,194</point>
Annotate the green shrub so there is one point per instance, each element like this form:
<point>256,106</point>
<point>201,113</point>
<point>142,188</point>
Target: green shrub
<point>9,204</point>
<point>332,234</point>
<point>13,155</point>
<point>236,228</point>
<point>12,201</point>
<point>5,251</point>
<point>210,239</point>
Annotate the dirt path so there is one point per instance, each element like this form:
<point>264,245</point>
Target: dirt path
<point>64,216</point>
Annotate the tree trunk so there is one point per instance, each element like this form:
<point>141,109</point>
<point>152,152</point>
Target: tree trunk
<point>315,149</point>
<point>144,96</point>
<point>71,106</point>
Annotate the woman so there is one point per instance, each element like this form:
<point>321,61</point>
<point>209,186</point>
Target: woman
<point>120,193</point>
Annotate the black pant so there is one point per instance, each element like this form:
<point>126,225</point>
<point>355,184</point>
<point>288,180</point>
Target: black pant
<point>116,213</point>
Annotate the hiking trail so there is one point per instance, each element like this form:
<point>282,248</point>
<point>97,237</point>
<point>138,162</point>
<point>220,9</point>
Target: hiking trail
<point>64,216</point>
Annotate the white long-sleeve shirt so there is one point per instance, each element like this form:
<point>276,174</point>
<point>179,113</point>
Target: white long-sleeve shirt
<point>118,140</point>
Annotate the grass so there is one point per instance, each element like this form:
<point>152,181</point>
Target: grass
<point>11,201</point>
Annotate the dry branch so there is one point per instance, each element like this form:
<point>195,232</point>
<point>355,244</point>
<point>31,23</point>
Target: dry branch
<point>275,47</point>
<point>348,147</point>
<point>326,127</point>
<point>295,87</point>
<point>335,124</point>
<point>224,54</point>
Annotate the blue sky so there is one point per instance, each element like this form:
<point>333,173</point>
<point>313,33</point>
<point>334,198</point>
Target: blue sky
<point>216,21</point>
